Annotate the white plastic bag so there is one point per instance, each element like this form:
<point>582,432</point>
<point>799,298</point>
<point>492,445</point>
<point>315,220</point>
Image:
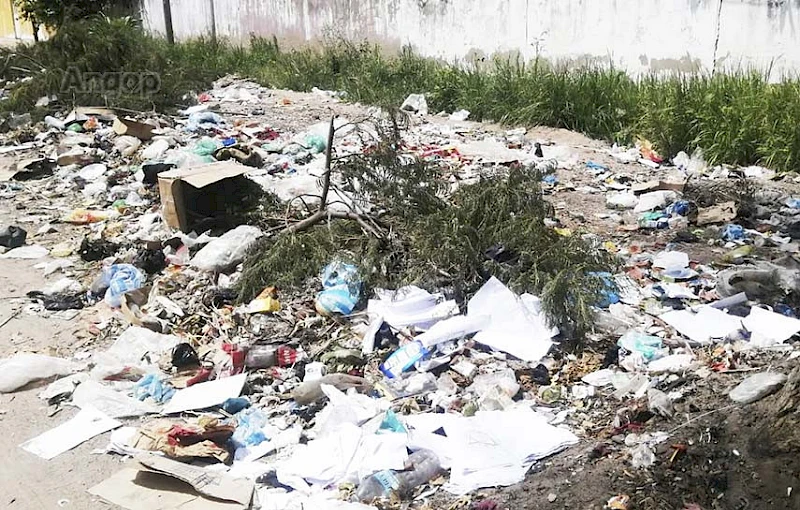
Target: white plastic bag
<point>135,348</point>
<point>756,387</point>
<point>21,369</point>
<point>227,251</point>
<point>127,145</point>
<point>155,150</point>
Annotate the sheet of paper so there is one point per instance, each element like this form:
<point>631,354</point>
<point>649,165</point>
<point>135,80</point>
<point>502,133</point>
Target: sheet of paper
<point>325,460</point>
<point>671,259</point>
<point>278,499</point>
<point>517,325</point>
<point>85,425</point>
<point>705,326</point>
<point>108,401</point>
<point>494,448</point>
<point>411,306</point>
<point>453,328</point>
<point>497,448</point>
<point>144,490</point>
<point>206,482</point>
<point>207,394</point>
<point>769,328</point>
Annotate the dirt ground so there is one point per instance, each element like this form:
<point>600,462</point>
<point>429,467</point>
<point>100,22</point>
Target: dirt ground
<point>722,462</point>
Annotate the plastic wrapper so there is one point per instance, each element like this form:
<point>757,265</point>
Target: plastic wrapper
<point>226,251</point>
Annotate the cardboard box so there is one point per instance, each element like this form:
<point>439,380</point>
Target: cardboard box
<point>187,190</point>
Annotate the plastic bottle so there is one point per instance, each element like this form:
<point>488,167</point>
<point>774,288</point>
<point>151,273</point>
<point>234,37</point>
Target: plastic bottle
<point>424,465</point>
<point>265,356</point>
<point>403,358</point>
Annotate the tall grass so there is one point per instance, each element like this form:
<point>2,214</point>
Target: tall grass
<point>737,118</point>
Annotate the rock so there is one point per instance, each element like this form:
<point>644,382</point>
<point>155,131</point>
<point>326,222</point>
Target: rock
<point>756,387</point>
<point>551,497</point>
<point>12,237</point>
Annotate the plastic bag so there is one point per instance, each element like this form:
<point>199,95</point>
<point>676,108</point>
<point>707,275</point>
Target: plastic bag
<point>84,216</point>
<point>342,288</point>
<point>203,120</point>
<point>152,386</point>
<point>650,347</point>
<point>756,387</point>
<point>227,251</point>
<point>249,431</point>
<point>660,403</point>
<point>127,145</point>
<point>155,150</point>
<point>135,347</point>
<point>415,103</point>
<point>495,390</point>
<point>121,278</point>
<point>205,147</point>
<point>21,369</point>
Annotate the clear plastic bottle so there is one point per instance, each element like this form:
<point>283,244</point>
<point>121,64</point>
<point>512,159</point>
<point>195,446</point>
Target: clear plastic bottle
<point>265,356</point>
<point>261,356</point>
<point>422,466</point>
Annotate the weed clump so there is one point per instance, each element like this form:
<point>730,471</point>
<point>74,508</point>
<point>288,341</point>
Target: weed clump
<point>420,236</point>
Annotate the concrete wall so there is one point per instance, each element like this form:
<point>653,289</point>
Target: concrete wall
<point>637,35</point>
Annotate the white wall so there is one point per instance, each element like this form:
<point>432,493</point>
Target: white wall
<point>637,35</point>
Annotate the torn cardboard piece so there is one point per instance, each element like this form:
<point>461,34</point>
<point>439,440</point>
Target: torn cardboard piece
<point>31,168</point>
<point>183,194</point>
<point>130,127</point>
<point>208,483</point>
<point>144,490</point>
<point>720,213</point>
<point>82,113</point>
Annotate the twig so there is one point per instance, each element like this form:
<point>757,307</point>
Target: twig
<point>10,317</point>
<point>701,416</point>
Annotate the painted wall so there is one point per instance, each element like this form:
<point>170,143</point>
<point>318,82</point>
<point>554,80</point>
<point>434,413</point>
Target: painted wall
<point>12,28</point>
<point>637,35</point>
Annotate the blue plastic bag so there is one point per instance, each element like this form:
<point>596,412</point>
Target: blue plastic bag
<point>342,288</point>
<point>249,431</point>
<point>121,278</point>
<point>681,208</point>
<point>608,293</point>
<point>151,385</point>
<point>733,232</point>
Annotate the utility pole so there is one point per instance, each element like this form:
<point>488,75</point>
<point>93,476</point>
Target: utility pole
<point>168,22</point>
<point>213,20</point>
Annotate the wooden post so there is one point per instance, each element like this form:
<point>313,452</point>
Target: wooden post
<point>168,21</point>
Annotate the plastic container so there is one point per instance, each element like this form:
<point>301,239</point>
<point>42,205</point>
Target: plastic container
<point>422,466</point>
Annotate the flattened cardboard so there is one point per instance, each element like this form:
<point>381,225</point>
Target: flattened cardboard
<point>133,128</point>
<point>208,483</point>
<point>144,490</point>
<point>720,213</point>
<point>171,187</point>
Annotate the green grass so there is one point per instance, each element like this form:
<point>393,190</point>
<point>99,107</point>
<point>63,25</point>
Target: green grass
<point>737,118</point>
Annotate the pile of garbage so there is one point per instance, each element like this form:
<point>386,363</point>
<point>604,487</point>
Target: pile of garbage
<point>347,396</point>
